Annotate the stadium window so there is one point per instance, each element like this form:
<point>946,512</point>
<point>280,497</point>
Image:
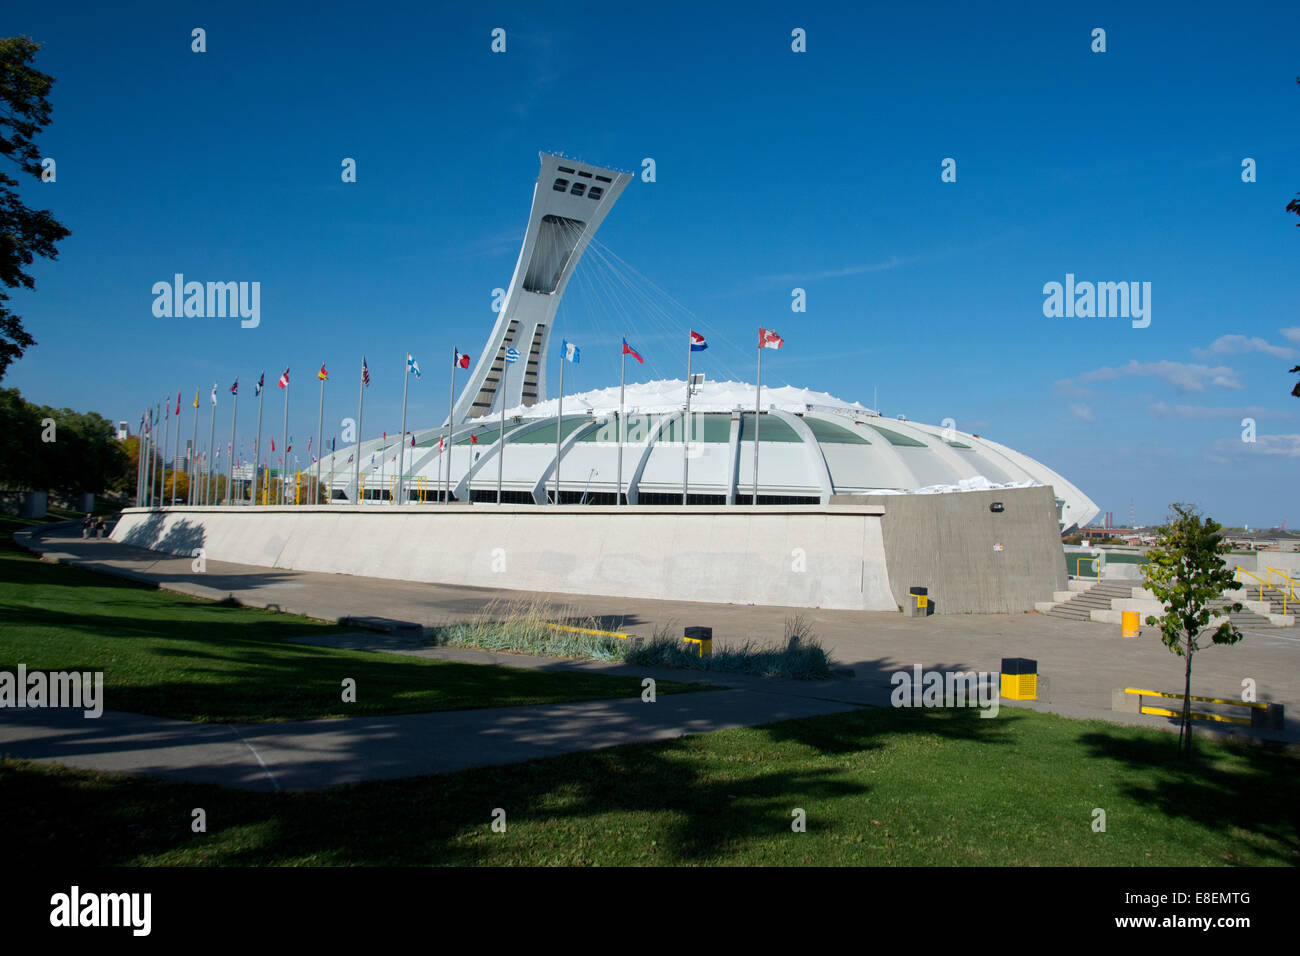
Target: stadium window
<point>561,185</point>
<point>595,192</point>
<point>578,189</point>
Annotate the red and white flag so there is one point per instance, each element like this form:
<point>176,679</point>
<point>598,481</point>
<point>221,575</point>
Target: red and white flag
<point>284,379</point>
<point>768,339</point>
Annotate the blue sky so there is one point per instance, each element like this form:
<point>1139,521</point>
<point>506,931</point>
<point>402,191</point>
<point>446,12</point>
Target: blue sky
<point>774,170</point>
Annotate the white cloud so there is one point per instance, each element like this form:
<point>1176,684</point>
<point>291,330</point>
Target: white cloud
<point>1292,334</point>
<point>1080,410</point>
<point>1230,450</point>
<point>1184,376</point>
<point>1241,344</point>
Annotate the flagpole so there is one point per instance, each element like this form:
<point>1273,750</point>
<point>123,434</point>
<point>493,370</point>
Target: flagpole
<point>177,450</point>
<point>758,393</point>
<point>284,446</point>
<point>162,476</point>
<point>145,438</point>
<point>209,493</point>
<point>329,490</point>
<point>622,379</point>
<point>559,422</point>
<point>401,453</point>
<point>501,438</point>
<point>320,421</point>
<point>153,459</point>
<point>686,429</point>
<point>361,406</point>
<point>194,445</point>
<point>139,463</point>
<point>148,475</point>
<point>451,422</point>
<point>257,449</point>
<point>230,482</point>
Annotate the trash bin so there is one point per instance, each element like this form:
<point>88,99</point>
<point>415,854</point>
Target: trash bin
<point>1129,628</point>
<point>922,598</point>
<point>1019,678</point>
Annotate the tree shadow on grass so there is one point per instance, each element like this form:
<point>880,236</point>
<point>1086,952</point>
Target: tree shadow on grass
<point>691,800</point>
<point>1224,787</point>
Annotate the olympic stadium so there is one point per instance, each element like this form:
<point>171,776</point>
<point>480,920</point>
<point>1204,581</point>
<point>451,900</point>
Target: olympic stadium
<point>509,442</point>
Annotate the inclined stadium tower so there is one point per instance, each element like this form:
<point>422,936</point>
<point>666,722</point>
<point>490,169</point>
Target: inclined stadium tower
<point>811,445</point>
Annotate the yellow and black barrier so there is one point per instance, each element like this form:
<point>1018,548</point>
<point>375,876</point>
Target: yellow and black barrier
<point>1258,714</point>
<point>701,637</point>
<point>587,630</point>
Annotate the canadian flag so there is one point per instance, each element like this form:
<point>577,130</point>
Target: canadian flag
<point>768,339</point>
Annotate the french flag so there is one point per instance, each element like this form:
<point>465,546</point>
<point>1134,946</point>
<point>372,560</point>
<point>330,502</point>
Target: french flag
<point>697,342</point>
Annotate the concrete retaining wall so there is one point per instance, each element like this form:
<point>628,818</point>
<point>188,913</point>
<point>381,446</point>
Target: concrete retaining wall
<point>797,556</point>
<point>948,543</point>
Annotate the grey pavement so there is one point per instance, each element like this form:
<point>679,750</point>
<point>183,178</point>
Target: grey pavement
<point>1079,663</point>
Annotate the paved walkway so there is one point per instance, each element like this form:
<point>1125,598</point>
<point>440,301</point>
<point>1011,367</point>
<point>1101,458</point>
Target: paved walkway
<point>1080,664</point>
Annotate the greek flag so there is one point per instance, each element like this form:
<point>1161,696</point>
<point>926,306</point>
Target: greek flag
<point>512,356</point>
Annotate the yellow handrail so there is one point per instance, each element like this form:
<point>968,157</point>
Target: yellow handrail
<point>1290,589</point>
<point>1286,595</point>
<point>1096,563</point>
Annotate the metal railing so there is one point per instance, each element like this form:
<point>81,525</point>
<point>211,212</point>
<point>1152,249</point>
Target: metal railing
<point>1288,595</point>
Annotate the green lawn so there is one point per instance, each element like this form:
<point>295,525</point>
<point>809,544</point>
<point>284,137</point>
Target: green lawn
<point>879,787</point>
<point>171,656</point>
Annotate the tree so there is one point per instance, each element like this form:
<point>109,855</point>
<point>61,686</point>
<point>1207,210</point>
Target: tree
<point>24,232</point>
<point>1186,572</point>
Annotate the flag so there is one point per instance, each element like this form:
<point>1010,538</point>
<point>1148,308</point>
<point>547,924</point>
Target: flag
<point>272,444</point>
<point>167,410</point>
<point>569,350</point>
<point>768,339</point>
<point>261,380</point>
<point>412,439</point>
<point>473,439</point>
<point>412,365</point>
<point>309,444</point>
<point>440,443</point>
<point>365,373</point>
<point>178,403</point>
<point>214,393</point>
<point>323,375</point>
<point>350,457</point>
<point>234,389</point>
<point>628,350</point>
<point>284,379</point>
<point>460,358</point>
<point>196,398</point>
<point>512,356</point>
<point>697,342</point>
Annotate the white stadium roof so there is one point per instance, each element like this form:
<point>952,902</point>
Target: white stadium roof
<point>811,445</point>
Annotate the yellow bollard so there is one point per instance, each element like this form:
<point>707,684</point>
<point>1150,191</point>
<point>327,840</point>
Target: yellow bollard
<point>1130,626</point>
<point>297,487</point>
